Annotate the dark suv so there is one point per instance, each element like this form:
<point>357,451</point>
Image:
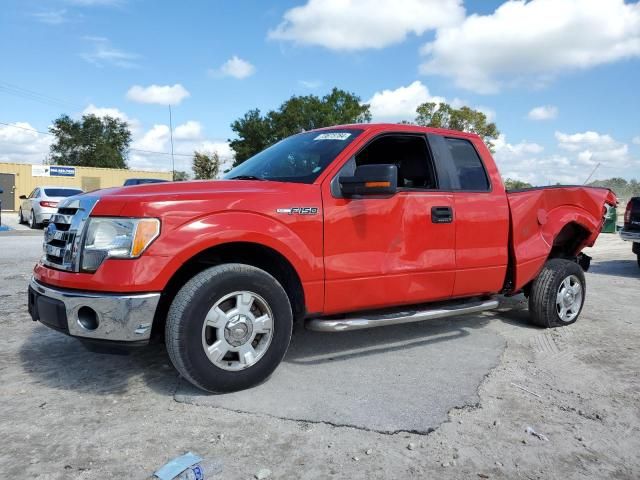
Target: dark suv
<point>140,181</point>
<point>631,230</point>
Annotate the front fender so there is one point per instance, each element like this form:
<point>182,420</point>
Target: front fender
<point>294,241</point>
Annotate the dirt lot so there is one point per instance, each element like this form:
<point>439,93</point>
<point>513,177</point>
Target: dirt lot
<point>69,413</point>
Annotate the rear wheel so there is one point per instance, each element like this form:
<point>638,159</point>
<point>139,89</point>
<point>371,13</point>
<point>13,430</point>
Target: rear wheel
<point>638,258</point>
<point>32,222</point>
<point>228,328</point>
<point>557,294</point>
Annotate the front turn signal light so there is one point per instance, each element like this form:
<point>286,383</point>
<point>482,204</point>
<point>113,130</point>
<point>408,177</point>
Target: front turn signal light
<point>147,231</point>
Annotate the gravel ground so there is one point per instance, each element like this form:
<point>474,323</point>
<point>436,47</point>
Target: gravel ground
<point>68,413</point>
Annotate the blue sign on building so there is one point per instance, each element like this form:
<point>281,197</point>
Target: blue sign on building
<point>61,171</point>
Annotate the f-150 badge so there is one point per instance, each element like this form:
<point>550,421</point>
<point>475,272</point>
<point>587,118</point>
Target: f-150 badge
<point>298,210</point>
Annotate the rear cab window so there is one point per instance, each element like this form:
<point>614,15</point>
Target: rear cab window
<point>468,166</point>
<point>61,192</point>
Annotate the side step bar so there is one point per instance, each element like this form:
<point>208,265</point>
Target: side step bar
<point>359,322</point>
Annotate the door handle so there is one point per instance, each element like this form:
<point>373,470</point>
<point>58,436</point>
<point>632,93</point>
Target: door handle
<point>441,214</point>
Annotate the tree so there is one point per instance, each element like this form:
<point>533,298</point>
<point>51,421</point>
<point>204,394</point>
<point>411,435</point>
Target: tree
<point>256,131</point>
<point>513,184</point>
<point>464,119</point>
<point>205,167</point>
<point>622,188</point>
<point>180,176</point>
<point>90,142</point>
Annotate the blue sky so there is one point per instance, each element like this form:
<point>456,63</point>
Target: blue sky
<point>575,61</point>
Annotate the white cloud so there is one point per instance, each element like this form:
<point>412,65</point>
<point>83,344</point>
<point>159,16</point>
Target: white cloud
<point>187,137</point>
<point>508,151</point>
<point>52,17</point>
<point>190,130</point>
<point>155,139</point>
<point>579,141</point>
<point>401,103</point>
<point>20,143</point>
<point>103,53</point>
<point>544,112</point>
<point>101,112</point>
<point>96,3</point>
<point>310,84</point>
<point>582,152</point>
<point>531,42</point>
<point>636,140</point>
<point>592,148</point>
<point>158,94</point>
<point>362,24</point>
<point>235,67</point>
<point>133,123</point>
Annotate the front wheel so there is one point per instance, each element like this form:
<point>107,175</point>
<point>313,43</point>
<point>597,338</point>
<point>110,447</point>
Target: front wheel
<point>20,217</point>
<point>228,328</point>
<point>638,257</point>
<point>557,294</point>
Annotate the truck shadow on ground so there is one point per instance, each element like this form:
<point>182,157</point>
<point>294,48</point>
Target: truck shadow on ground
<point>314,348</point>
<point>617,268</point>
<point>61,362</point>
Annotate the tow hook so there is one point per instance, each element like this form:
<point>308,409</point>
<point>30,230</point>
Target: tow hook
<point>584,261</point>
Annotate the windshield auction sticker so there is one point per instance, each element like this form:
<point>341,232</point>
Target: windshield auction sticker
<point>333,136</point>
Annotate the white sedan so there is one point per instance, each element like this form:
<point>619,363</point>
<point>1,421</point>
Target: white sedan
<point>38,207</point>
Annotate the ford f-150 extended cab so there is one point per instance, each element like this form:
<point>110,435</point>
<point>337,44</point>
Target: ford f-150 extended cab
<point>347,227</point>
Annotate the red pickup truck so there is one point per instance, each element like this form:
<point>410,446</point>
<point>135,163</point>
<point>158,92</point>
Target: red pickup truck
<point>348,227</point>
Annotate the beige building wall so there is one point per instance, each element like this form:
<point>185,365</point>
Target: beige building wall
<point>85,178</point>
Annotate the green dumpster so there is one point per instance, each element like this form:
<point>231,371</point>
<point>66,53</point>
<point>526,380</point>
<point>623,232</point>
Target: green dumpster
<point>610,220</point>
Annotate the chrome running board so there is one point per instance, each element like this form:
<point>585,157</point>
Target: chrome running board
<point>359,322</point>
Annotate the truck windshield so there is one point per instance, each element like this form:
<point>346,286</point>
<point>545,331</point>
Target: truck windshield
<point>299,158</point>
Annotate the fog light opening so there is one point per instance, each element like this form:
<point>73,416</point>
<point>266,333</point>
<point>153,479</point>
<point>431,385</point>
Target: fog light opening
<point>88,318</point>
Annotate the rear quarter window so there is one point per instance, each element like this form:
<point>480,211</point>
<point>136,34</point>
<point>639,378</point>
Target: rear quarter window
<point>468,166</point>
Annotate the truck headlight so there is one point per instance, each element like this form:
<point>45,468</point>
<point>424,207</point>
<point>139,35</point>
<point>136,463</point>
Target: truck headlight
<point>114,237</point>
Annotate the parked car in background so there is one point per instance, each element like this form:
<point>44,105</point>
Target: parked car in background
<point>631,230</point>
<point>142,181</point>
<point>38,207</point>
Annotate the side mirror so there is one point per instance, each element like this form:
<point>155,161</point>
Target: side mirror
<point>22,197</point>
<point>371,180</point>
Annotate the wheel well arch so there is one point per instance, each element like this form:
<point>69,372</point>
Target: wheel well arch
<point>254,254</point>
<point>568,241</point>
<point>566,244</point>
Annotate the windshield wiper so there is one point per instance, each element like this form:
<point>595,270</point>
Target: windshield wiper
<point>247,177</point>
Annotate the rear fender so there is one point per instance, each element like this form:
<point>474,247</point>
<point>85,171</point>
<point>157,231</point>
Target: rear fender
<point>539,215</point>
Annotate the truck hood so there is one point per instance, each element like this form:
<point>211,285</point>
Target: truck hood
<point>188,190</point>
<point>193,199</point>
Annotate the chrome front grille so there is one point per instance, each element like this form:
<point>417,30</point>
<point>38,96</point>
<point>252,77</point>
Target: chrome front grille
<point>63,236</point>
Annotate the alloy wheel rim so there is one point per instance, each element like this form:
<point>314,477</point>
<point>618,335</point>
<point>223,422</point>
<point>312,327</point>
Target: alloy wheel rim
<point>237,330</point>
<point>569,298</point>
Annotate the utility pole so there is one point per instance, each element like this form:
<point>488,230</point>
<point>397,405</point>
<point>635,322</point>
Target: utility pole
<point>173,162</point>
<point>591,174</point>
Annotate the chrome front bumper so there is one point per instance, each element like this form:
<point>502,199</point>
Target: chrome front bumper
<point>94,316</point>
<point>630,236</point>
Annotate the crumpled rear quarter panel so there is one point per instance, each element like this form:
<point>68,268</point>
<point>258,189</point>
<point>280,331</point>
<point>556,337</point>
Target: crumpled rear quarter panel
<point>539,214</point>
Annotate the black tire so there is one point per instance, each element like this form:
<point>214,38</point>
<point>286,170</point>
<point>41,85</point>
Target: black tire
<point>32,223</point>
<point>20,217</point>
<point>185,320</point>
<point>544,290</point>
<point>638,258</point>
